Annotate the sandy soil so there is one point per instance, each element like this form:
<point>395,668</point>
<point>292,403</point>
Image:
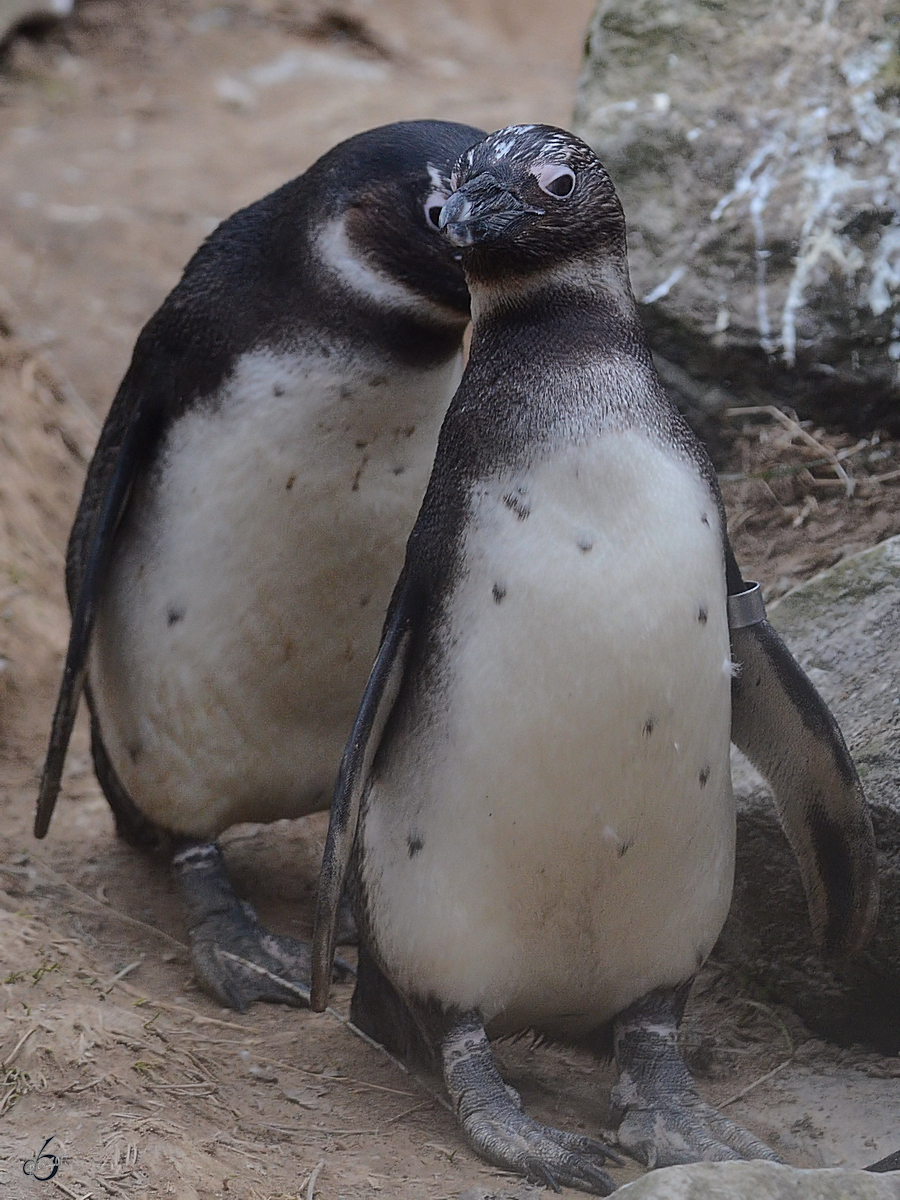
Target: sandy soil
<point>123,139</point>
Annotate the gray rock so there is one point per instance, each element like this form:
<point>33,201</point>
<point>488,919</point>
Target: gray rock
<point>760,1181</point>
<point>13,12</point>
<point>844,627</point>
<point>756,148</point>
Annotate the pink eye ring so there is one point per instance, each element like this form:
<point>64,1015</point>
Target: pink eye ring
<point>555,179</point>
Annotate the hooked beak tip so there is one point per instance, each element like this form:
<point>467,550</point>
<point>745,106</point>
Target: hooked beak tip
<point>481,212</point>
<point>454,219</point>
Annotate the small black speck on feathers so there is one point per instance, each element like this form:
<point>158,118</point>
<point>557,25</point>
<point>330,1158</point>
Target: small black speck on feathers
<point>517,504</point>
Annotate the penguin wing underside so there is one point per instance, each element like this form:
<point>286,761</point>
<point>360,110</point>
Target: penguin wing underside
<point>785,728</point>
<point>124,443</point>
<point>379,697</point>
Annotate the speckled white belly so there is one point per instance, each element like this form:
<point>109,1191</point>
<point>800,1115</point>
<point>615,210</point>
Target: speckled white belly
<point>250,585</point>
<point>561,840</point>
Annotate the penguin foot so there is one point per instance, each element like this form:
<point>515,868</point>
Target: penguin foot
<point>492,1118</point>
<point>662,1121</point>
<point>235,959</point>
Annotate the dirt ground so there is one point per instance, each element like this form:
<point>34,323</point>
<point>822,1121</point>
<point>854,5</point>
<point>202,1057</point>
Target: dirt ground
<point>124,137</point>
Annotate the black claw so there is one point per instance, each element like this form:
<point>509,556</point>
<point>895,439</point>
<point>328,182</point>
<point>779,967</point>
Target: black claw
<point>587,1145</point>
<point>605,1181</point>
<point>537,1172</point>
<point>611,1156</point>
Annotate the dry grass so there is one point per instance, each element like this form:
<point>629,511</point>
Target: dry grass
<point>800,498</point>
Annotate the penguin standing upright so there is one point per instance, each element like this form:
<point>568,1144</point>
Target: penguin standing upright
<point>245,513</point>
<point>535,804</point>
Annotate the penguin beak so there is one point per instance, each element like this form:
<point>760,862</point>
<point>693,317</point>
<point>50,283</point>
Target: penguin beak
<point>481,211</point>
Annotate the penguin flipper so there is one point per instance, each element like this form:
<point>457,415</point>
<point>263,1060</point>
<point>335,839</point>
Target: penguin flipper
<point>786,730</point>
<point>107,489</point>
<point>378,700</point>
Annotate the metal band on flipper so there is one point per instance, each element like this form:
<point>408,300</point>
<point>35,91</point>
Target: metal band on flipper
<point>746,608</point>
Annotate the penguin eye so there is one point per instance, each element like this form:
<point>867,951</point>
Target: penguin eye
<point>433,206</point>
<point>555,179</point>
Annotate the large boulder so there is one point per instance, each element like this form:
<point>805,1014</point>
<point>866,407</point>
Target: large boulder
<point>844,627</point>
<point>756,148</point>
<point>760,1181</point>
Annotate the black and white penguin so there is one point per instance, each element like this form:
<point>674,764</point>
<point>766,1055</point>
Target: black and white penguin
<point>535,805</point>
<point>245,513</point>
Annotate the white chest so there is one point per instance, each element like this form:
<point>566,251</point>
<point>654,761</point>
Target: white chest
<point>250,585</point>
<point>571,810</point>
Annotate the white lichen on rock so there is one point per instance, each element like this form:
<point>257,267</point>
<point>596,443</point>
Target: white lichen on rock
<point>768,184</point>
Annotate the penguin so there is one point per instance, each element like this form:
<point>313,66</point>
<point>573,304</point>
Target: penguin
<point>534,810</point>
<point>245,515</point>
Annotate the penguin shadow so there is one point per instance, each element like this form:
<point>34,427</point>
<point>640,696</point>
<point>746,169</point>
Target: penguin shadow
<point>276,868</point>
<point>562,1086</point>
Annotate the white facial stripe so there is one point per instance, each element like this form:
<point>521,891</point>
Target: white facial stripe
<point>436,200</point>
<point>437,180</point>
<point>338,254</point>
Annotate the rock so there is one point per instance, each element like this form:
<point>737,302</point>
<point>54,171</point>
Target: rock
<point>14,12</point>
<point>844,627</point>
<point>760,1181</point>
<point>756,148</point>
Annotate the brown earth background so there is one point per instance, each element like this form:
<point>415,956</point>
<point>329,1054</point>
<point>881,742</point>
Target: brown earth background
<point>126,134</point>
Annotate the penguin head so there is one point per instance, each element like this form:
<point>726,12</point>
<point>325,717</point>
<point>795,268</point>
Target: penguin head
<point>381,195</point>
<point>530,197</point>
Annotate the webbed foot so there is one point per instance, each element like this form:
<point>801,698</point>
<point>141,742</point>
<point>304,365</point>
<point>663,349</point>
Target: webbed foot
<point>662,1121</point>
<point>491,1116</point>
<point>235,959</point>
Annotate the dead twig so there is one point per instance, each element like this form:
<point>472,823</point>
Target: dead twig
<point>178,1008</point>
<point>755,1084</point>
<point>408,1112</point>
<point>80,1087</point>
<point>72,1195</point>
<point>377,1087</point>
<point>121,975</point>
<point>364,1037</point>
<point>793,426</point>
<point>304,993</point>
<point>311,1187</point>
<point>6,1063</point>
<point>774,1017</point>
<point>106,908</point>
